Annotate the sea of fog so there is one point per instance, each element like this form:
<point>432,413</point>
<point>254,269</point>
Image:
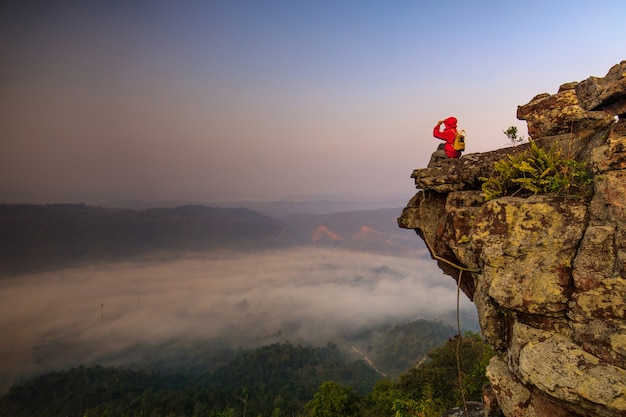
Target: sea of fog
<point>306,295</point>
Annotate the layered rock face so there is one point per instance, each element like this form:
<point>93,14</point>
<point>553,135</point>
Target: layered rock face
<point>547,273</point>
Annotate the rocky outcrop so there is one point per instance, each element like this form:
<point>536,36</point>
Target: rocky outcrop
<point>547,273</point>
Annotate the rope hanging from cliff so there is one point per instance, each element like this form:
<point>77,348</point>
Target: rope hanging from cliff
<point>458,343</point>
<point>458,296</point>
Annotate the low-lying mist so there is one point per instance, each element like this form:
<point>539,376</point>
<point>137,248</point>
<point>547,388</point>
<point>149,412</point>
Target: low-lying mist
<point>114,312</point>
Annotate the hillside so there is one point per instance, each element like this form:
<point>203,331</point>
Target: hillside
<point>277,379</point>
<point>34,237</point>
<point>363,230</point>
<point>39,237</point>
<point>395,348</point>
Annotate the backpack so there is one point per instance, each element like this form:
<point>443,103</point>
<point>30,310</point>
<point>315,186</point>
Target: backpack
<point>459,140</point>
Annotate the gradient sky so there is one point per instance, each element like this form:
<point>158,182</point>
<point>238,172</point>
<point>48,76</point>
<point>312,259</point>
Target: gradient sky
<point>215,99</point>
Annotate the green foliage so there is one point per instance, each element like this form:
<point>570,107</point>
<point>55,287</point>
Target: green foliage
<point>427,390</point>
<point>333,400</point>
<point>538,171</point>
<point>380,400</point>
<point>410,408</point>
<point>511,133</point>
<point>275,380</point>
<point>475,380</point>
<point>438,379</point>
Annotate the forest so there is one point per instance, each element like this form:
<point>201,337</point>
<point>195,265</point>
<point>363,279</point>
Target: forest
<point>38,237</point>
<point>280,379</point>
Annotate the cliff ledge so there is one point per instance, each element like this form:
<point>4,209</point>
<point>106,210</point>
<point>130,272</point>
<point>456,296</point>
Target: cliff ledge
<point>547,273</point>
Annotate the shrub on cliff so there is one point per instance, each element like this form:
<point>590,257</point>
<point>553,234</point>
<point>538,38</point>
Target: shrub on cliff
<point>511,133</point>
<point>538,171</point>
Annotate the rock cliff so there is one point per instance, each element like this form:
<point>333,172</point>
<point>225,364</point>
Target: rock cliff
<point>547,273</point>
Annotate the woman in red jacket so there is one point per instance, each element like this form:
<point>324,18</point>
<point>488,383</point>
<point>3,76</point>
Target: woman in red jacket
<point>445,150</point>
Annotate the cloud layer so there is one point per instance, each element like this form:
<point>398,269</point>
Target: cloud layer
<point>304,295</point>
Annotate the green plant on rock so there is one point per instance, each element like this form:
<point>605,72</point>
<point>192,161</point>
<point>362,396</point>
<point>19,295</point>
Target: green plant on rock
<point>511,133</point>
<point>538,171</point>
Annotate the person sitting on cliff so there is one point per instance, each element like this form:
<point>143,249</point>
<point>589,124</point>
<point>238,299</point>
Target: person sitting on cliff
<point>445,150</point>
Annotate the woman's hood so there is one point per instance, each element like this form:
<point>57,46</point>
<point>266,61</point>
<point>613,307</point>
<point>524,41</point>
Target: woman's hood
<point>450,122</point>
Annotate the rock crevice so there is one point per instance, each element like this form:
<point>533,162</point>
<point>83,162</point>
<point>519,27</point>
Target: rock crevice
<point>547,273</point>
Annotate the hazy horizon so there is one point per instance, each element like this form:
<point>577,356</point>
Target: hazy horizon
<point>365,200</point>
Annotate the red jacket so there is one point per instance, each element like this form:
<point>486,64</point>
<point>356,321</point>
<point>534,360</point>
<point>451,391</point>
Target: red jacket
<point>448,134</point>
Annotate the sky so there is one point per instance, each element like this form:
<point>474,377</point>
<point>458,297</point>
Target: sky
<point>213,100</point>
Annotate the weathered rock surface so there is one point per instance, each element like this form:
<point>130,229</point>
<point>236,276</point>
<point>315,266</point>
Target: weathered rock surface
<point>547,274</point>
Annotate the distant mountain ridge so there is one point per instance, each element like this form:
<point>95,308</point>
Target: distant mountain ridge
<point>285,206</point>
<point>363,230</point>
<point>48,236</point>
<point>36,237</point>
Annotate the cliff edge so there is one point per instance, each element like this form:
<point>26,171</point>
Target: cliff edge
<point>547,273</point>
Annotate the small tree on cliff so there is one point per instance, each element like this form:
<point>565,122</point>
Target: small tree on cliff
<point>511,133</point>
